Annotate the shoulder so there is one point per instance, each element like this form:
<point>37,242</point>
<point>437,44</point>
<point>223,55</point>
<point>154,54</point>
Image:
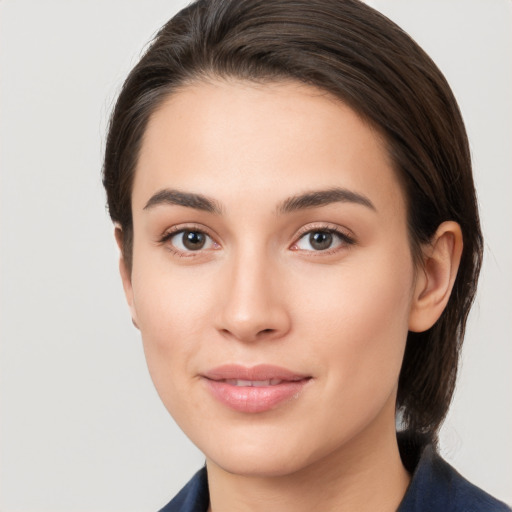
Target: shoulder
<point>437,486</point>
<point>193,497</point>
<point>465,496</point>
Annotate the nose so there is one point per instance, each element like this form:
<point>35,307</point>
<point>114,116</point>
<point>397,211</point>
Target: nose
<point>252,302</point>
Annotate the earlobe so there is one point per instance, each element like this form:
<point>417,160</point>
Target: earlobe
<point>125,274</point>
<point>435,279</point>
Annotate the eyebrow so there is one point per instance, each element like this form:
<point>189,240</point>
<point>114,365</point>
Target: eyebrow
<point>318,198</point>
<point>312,199</point>
<point>188,199</point>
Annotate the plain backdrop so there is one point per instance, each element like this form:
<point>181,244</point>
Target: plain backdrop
<point>81,426</point>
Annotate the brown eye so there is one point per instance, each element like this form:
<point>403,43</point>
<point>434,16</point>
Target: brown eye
<point>320,240</point>
<point>193,240</point>
<point>190,240</point>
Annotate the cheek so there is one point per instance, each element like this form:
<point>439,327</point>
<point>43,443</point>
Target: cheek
<point>171,312</point>
<point>171,302</point>
<point>359,321</point>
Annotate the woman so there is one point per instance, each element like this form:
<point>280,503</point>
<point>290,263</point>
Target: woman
<point>291,187</point>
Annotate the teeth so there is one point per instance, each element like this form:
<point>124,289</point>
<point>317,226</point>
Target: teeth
<point>244,383</point>
<point>253,383</point>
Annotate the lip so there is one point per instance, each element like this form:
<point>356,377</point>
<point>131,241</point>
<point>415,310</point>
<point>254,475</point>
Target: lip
<point>254,389</point>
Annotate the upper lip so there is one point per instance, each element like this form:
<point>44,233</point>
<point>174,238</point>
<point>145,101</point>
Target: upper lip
<point>261,372</point>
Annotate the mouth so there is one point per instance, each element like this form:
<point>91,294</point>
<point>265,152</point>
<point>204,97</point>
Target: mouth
<point>254,389</point>
<point>253,383</point>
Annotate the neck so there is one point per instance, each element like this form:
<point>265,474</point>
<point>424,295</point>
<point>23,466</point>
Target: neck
<point>366,474</point>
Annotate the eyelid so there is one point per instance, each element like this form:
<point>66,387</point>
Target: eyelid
<point>325,226</point>
<point>178,228</point>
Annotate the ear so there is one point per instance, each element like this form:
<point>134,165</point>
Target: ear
<point>125,274</point>
<point>435,279</point>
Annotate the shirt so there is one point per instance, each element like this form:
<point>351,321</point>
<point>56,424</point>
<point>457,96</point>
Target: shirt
<point>435,487</point>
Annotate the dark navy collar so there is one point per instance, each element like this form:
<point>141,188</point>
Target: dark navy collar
<point>435,487</point>
<point>194,497</point>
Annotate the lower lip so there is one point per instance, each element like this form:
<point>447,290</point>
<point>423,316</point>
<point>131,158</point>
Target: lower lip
<point>254,399</point>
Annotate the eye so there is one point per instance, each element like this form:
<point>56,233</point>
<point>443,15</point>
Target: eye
<point>187,240</point>
<point>322,240</point>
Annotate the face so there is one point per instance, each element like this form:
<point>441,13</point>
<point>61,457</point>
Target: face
<point>272,277</point>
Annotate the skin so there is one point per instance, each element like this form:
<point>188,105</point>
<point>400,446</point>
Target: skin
<point>259,292</point>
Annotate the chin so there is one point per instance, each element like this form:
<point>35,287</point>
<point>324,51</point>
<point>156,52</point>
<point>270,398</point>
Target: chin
<point>262,465</point>
<point>265,453</point>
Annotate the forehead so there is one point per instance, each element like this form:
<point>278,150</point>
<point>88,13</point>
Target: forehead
<point>233,137</point>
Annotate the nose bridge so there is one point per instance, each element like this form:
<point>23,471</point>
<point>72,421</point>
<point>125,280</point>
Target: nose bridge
<point>252,307</point>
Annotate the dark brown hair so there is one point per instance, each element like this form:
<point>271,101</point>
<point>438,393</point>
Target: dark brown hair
<point>356,54</point>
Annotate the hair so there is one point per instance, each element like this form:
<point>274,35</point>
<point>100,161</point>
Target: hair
<point>359,56</point>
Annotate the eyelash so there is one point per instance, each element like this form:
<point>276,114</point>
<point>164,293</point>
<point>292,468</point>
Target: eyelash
<point>345,238</point>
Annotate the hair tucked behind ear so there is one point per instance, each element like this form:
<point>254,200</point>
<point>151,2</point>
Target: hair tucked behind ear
<point>351,51</point>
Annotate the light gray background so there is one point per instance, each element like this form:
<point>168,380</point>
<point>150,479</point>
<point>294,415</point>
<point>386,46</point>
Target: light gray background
<point>81,426</point>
